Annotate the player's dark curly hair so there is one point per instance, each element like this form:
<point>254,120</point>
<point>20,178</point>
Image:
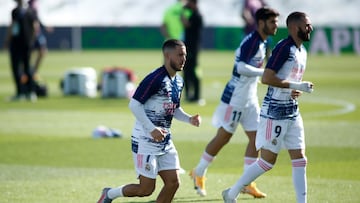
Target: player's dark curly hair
<point>265,13</point>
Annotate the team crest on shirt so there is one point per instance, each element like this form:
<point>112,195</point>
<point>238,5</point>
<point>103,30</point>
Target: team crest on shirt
<point>274,141</point>
<point>147,167</point>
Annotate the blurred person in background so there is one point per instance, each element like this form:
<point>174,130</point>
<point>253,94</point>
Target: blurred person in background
<point>248,15</point>
<point>239,102</point>
<point>172,27</point>
<point>20,39</point>
<point>40,45</point>
<point>193,30</point>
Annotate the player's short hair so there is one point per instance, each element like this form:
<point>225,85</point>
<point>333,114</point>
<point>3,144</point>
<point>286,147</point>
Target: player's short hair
<point>265,13</point>
<point>171,44</point>
<point>295,17</point>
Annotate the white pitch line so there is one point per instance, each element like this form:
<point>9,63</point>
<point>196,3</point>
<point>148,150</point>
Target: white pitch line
<point>345,107</point>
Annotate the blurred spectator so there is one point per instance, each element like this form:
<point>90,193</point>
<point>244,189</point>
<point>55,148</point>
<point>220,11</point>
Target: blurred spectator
<point>248,14</point>
<point>193,28</point>
<point>172,27</point>
<point>40,45</point>
<point>20,38</point>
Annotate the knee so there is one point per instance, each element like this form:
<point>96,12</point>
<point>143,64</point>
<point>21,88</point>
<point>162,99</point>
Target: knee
<point>224,135</point>
<point>173,185</point>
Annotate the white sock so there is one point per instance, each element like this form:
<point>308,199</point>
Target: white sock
<point>250,174</point>
<point>248,161</point>
<point>115,192</point>
<point>299,179</point>
<point>203,164</point>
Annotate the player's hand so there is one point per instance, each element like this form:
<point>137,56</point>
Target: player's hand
<point>295,94</point>
<point>158,134</point>
<point>195,120</point>
<point>302,86</point>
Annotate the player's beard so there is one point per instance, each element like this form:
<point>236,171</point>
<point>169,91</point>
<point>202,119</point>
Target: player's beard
<point>175,67</point>
<point>303,35</point>
<point>268,31</point>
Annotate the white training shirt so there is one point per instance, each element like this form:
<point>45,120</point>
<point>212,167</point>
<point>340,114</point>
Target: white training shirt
<point>289,63</point>
<point>242,88</point>
<point>159,95</point>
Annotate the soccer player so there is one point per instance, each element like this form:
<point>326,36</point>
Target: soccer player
<point>280,120</point>
<point>239,101</point>
<point>154,104</point>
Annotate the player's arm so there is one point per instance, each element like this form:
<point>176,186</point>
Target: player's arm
<point>181,115</point>
<point>248,70</point>
<point>137,109</point>
<point>269,77</point>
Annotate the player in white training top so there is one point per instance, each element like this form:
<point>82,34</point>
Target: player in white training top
<point>239,101</point>
<point>281,124</point>
<point>155,103</point>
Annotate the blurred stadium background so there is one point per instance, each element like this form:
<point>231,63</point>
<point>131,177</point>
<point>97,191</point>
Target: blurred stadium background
<point>122,24</point>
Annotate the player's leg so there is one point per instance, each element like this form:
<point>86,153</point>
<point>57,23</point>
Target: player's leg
<point>251,156</point>
<point>295,142</point>
<point>168,166</point>
<point>250,121</point>
<point>221,138</point>
<point>299,163</point>
<point>171,184</point>
<point>145,187</point>
<point>265,136</point>
<point>146,167</point>
<point>251,173</point>
<point>223,120</point>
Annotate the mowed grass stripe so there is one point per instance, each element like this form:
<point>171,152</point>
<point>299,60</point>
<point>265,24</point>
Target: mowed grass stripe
<point>54,184</point>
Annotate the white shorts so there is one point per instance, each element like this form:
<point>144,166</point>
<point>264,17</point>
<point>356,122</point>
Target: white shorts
<point>134,156</point>
<point>276,134</point>
<point>229,117</point>
<point>149,165</point>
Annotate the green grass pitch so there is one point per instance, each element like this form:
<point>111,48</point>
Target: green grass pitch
<point>47,153</point>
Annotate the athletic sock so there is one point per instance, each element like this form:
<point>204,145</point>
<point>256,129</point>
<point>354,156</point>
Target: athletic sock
<point>249,175</point>
<point>299,179</point>
<point>203,164</point>
<point>115,192</point>
<point>248,161</point>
